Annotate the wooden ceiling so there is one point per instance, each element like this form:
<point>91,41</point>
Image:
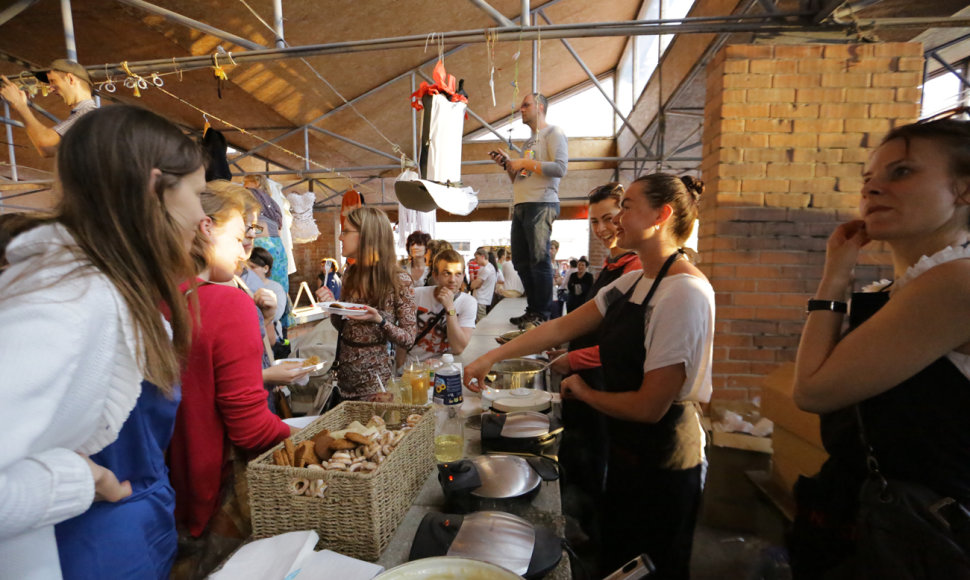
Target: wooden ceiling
<point>270,98</point>
<point>267,98</point>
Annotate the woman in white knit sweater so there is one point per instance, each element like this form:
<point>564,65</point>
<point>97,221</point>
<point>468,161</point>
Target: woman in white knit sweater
<point>79,309</point>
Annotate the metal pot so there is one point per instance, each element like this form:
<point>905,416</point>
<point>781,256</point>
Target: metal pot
<point>516,373</point>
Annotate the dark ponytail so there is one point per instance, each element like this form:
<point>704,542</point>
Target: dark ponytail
<point>683,194</point>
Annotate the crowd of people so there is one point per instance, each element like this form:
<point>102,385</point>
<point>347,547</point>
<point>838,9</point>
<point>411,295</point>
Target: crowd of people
<point>139,325</point>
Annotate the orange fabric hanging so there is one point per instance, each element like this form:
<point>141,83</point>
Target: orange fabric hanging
<point>444,83</point>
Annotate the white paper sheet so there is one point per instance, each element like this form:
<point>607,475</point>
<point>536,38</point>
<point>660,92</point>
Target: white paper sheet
<point>270,558</point>
<point>328,565</point>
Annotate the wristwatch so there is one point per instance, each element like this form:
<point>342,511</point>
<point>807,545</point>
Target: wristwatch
<point>452,312</point>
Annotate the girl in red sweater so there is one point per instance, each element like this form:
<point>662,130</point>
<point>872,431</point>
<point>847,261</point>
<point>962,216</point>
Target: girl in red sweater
<point>223,399</point>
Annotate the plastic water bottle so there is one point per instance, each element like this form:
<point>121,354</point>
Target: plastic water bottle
<point>449,433</point>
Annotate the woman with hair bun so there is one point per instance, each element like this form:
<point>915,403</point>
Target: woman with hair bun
<point>656,330</point>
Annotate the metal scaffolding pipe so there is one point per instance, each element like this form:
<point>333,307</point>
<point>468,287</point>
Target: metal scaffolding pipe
<point>495,14</point>
<point>951,69</point>
<point>318,173</point>
<point>596,82</point>
<point>526,13</point>
<point>306,147</point>
<point>8,121</point>
<point>68,21</point>
<point>195,24</point>
<point>358,144</point>
<point>278,22</point>
<point>14,9</point>
<point>692,25</point>
<point>11,151</point>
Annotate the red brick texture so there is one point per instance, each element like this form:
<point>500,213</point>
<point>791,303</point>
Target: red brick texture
<point>786,134</point>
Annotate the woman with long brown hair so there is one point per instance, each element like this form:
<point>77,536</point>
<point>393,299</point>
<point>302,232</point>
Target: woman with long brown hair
<point>85,351</point>
<point>364,362</point>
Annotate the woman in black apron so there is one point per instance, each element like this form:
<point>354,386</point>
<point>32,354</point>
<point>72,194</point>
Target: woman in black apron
<point>583,449</point>
<point>656,331</point>
<point>901,377</point>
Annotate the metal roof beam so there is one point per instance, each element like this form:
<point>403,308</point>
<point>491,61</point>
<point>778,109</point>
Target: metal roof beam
<point>194,24</point>
<point>495,14</point>
<point>596,83</point>
<point>690,25</point>
<point>15,9</point>
<point>343,106</point>
<point>358,144</point>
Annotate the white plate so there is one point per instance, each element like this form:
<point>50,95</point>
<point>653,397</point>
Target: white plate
<point>447,568</point>
<point>311,368</point>
<point>343,311</point>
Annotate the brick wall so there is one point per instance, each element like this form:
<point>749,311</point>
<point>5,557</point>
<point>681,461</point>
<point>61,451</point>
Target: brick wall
<point>787,131</point>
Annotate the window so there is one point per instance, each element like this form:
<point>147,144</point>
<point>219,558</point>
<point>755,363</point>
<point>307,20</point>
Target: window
<point>642,53</point>
<point>583,113</point>
<point>944,91</point>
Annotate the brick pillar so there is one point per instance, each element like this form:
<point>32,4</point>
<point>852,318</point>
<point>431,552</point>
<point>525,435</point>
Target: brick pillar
<point>787,131</point>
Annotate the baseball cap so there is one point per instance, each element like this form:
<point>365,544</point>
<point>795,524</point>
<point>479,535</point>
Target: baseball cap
<point>66,66</point>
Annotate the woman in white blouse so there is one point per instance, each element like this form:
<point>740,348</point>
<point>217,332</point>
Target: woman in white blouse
<point>79,309</point>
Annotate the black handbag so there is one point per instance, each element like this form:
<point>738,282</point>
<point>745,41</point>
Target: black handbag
<point>906,530</point>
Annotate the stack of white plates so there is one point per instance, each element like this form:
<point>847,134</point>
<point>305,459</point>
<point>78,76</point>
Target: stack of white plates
<point>522,400</point>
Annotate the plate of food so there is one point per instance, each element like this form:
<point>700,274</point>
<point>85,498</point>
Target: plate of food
<point>344,308</point>
<point>509,336</point>
<point>311,364</point>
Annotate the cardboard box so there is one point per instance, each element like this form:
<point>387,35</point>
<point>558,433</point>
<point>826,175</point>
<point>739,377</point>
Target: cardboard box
<point>742,441</point>
<point>793,456</point>
<point>777,404</point>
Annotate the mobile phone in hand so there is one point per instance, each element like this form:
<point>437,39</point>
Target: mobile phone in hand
<point>499,157</point>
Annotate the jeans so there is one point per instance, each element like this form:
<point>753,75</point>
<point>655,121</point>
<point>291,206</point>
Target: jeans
<point>531,230</point>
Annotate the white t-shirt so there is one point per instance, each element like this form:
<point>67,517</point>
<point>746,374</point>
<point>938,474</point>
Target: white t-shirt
<point>435,342</point>
<point>512,280</point>
<point>488,277</point>
<point>678,326</point>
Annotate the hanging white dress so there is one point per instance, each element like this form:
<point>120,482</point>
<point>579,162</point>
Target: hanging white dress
<point>304,228</point>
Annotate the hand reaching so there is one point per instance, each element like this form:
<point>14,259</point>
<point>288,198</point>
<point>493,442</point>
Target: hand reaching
<point>573,387</point>
<point>266,301</point>
<point>106,484</point>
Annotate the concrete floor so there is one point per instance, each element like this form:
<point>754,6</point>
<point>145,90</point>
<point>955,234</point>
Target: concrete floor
<point>739,535</point>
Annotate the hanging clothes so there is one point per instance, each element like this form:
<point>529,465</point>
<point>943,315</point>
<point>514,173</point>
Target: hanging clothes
<point>442,124</point>
<point>286,235</point>
<point>304,228</point>
<point>215,146</point>
<point>409,220</point>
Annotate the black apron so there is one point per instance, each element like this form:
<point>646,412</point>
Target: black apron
<point>583,449</point>
<point>649,508</point>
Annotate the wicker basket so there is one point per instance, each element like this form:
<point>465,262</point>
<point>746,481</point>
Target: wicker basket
<point>359,511</point>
